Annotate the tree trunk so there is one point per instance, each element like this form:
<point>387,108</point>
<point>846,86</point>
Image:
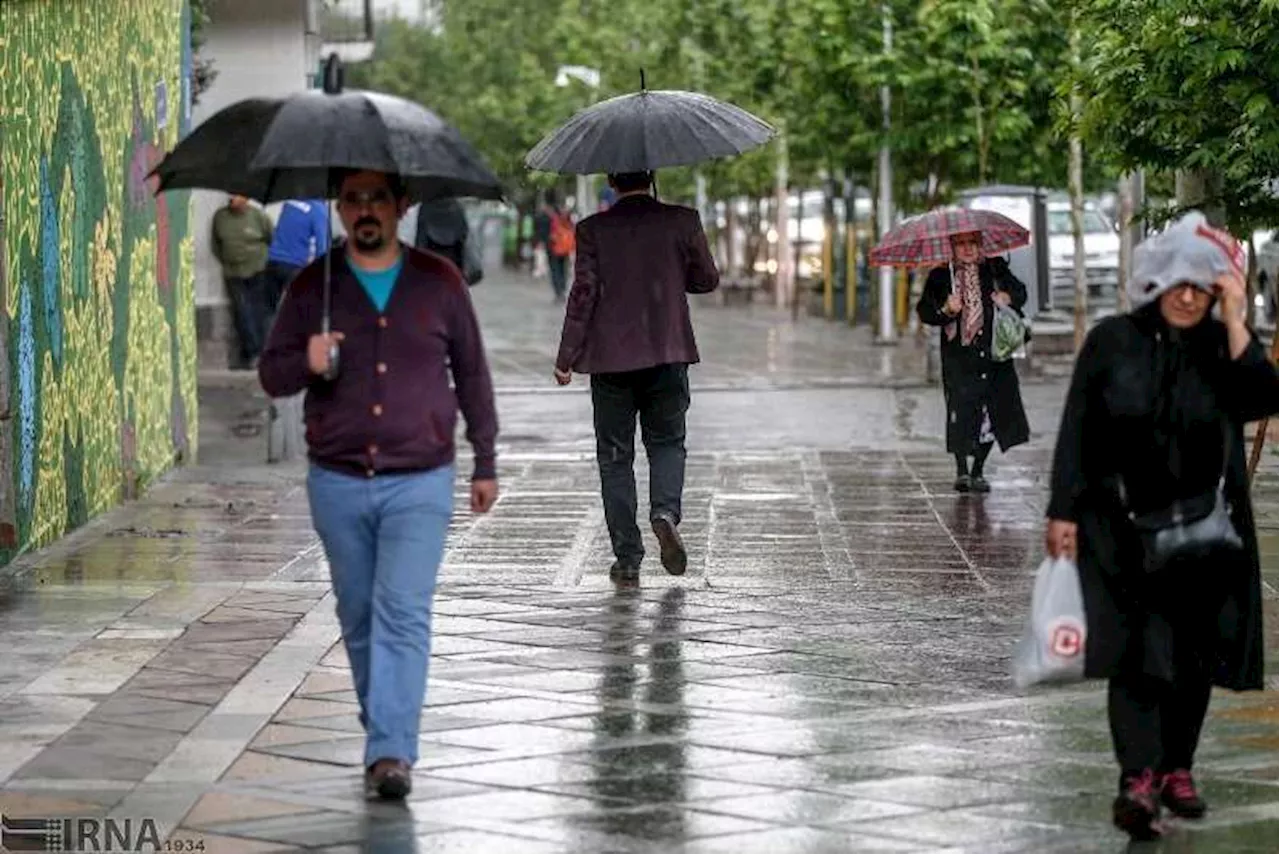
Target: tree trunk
<point>731,234</point>
<point>1125,193</point>
<point>786,275</point>
<point>983,144</point>
<point>1202,189</point>
<point>1076,181</point>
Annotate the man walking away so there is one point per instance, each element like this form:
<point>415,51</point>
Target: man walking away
<point>443,229</point>
<point>553,231</point>
<point>302,234</point>
<point>240,236</point>
<point>627,325</point>
<point>381,445</point>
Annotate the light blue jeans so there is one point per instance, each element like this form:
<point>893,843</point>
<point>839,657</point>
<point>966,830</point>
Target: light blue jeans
<point>384,540</point>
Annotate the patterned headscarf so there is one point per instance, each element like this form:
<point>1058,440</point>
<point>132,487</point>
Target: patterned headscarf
<point>967,284</point>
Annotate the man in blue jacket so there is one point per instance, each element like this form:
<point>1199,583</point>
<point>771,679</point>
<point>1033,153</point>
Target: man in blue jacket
<point>302,234</point>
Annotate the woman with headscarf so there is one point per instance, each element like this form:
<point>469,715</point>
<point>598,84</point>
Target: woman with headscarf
<point>983,398</point>
<point>1151,441</point>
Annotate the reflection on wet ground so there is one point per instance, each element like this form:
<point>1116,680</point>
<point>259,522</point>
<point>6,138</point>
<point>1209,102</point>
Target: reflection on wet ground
<point>831,675</point>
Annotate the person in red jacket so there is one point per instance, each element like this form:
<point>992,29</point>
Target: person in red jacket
<point>380,442</point>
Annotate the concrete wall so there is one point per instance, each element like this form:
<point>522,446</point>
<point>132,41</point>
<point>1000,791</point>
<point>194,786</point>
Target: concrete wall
<point>97,331</point>
<point>259,48</point>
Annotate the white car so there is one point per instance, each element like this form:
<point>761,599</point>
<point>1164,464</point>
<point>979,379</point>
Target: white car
<point>1267,275</point>
<point>1101,256</point>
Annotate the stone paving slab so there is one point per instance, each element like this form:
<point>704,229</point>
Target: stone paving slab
<point>831,675</point>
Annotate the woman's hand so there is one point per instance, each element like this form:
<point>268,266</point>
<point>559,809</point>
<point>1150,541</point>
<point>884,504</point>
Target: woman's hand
<point>1001,298</point>
<point>1232,296</point>
<point>952,306</point>
<point>1230,290</point>
<point>1060,539</point>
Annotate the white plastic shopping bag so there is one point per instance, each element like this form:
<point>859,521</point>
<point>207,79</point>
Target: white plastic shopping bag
<point>1052,645</point>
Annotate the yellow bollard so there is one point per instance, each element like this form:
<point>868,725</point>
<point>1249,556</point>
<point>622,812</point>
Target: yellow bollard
<point>828,274</point>
<point>903,294</point>
<point>850,274</point>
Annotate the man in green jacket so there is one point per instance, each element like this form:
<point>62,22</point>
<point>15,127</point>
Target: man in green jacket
<point>241,237</point>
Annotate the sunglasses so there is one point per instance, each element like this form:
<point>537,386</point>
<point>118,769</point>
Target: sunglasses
<point>360,198</point>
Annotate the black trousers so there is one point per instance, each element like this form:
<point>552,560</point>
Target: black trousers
<point>558,267</point>
<point>277,277</point>
<point>660,397</point>
<point>1156,724</point>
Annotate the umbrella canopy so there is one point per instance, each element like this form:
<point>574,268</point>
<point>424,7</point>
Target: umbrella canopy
<point>273,149</point>
<point>647,130</point>
<point>925,240</point>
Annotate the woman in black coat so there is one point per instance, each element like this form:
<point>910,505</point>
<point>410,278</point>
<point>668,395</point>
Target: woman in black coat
<point>983,398</point>
<point>1155,413</point>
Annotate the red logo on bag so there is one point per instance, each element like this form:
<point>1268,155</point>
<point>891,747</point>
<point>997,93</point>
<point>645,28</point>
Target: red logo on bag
<point>1066,638</point>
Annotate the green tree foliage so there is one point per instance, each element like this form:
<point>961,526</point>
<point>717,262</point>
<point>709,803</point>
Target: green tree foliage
<point>1187,85</point>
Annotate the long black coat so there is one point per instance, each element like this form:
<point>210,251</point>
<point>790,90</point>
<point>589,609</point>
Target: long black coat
<point>1147,404</point>
<point>970,379</point>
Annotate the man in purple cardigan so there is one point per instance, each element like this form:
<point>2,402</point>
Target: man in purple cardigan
<point>627,325</point>
<point>381,445</point>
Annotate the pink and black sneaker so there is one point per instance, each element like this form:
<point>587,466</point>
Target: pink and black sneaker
<point>1137,809</point>
<point>1178,793</point>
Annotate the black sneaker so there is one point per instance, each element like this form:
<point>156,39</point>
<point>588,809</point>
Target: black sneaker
<point>978,483</point>
<point>962,484</point>
<point>674,557</point>
<point>1136,810</point>
<point>389,779</point>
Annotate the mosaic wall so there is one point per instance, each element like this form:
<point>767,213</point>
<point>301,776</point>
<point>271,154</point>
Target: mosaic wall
<point>98,367</point>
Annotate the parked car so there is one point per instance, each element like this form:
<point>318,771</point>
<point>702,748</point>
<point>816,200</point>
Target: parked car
<point>1101,256</point>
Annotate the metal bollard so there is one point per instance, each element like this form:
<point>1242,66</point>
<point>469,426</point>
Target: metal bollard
<point>285,432</point>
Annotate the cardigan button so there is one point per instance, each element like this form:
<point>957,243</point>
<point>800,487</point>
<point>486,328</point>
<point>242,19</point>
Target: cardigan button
<point>382,322</point>
<point>373,450</point>
<point>369,472</point>
<point>382,367</point>
<point>377,410</point>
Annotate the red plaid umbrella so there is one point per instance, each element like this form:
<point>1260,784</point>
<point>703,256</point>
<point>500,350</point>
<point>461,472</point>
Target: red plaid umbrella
<point>926,239</point>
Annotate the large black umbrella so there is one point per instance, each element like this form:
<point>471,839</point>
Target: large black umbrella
<point>649,130</point>
<point>273,149</point>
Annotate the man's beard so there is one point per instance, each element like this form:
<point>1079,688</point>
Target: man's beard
<point>368,244</point>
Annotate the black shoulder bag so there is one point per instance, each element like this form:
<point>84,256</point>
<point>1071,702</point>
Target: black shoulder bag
<point>1189,529</point>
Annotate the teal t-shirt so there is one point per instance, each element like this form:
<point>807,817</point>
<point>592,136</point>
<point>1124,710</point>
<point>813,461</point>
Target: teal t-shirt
<point>378,283</point>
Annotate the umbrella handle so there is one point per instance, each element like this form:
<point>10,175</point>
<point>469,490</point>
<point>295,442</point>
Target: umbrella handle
<point>326,320</point>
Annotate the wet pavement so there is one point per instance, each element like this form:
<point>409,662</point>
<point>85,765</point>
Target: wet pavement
<point>831,675</point>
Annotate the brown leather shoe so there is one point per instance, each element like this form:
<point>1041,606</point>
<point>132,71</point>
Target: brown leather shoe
<point>674,557</point>
<point>390,779</point>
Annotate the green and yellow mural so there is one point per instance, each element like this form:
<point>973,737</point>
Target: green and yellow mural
<point>98,383</point>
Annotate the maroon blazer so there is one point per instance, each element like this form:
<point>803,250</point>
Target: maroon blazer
<point>628,309</point>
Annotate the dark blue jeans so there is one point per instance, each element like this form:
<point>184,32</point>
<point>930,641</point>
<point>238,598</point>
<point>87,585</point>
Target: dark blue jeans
<point>558,268</point>
<point>660,397</point>
<point>249,311</point>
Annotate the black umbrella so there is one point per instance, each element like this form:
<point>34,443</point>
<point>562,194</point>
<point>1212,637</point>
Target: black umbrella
<point>273,149</point>
<point>290,148</point>
<point>648,130</point>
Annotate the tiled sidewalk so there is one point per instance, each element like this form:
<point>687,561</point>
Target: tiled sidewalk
<point>831,675</point>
